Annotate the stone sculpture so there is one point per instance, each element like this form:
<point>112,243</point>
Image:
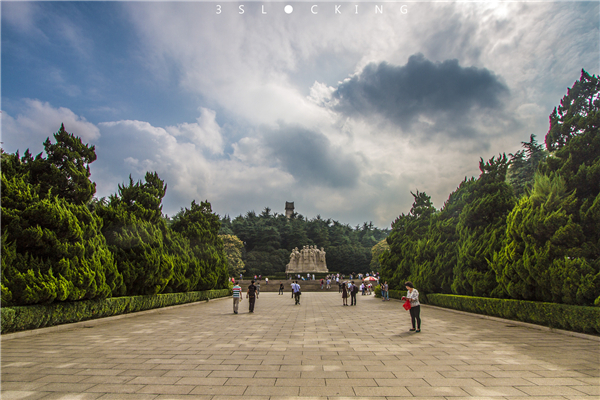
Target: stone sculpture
<point>309,259</point>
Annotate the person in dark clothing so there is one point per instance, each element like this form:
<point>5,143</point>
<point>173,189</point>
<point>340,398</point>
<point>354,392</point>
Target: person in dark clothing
<point>251,296</point>
<point>344,294</point>
<point>281,288</point>
<point>353,293</point>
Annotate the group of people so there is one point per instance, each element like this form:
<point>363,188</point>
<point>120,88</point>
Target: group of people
<point>347,288</point>
<point>251,295</point>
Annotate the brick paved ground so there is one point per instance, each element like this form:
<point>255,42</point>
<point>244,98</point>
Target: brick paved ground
<point>318,350</point>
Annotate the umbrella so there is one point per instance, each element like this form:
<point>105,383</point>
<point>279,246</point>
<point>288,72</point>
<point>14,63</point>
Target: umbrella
<point>370,278</point>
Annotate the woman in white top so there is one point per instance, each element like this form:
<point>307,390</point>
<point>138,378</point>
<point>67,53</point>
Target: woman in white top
<point>415,307</point>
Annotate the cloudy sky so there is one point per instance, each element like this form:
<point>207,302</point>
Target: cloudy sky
<point>343,111</point>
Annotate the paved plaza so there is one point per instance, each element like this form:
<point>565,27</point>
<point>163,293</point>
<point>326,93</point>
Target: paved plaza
<point>317,350</point>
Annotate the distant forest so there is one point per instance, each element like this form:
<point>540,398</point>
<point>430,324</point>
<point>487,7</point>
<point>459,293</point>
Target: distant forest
<point>270,237</point>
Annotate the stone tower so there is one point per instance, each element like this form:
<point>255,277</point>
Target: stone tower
<point>289,209</point>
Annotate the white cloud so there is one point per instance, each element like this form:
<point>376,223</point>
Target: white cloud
<point>204,133</point>
<point>40,120</point>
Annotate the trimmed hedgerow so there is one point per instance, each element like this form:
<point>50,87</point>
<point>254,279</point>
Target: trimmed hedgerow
<point>21,318</point>
<point>561,316</point>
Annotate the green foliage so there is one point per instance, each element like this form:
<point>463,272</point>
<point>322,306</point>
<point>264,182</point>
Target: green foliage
<point>16,319</point>
<point>52,247</point>
<point>552,246</point>
<point>481,228</point>
<point>376,251</point>
<point>560,316</point>
<point>136,237</point>
<point>234,249</point>
<point>65,172</point>
<point>408,242</point>
<point>578,113</point>
<point>523,165</point>
<point>200,226</point>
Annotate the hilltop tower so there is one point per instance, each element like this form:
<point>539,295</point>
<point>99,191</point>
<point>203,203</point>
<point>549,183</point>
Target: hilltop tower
<point>289,209</point>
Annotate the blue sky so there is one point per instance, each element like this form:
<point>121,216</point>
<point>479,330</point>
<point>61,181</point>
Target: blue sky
<point>344,114</point>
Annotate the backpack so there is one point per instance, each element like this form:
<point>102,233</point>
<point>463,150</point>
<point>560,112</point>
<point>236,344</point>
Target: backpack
<point>355,289</point>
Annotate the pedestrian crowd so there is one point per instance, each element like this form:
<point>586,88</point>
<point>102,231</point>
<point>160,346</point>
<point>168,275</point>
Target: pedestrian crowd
<point>346,288</point>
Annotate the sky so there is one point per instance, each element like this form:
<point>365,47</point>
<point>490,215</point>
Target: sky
<point>343,108</point>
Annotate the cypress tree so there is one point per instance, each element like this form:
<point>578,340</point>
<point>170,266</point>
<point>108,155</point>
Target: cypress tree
<point>481,228</point>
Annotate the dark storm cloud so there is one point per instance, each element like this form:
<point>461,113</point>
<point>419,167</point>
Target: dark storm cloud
<point>441,92</point>
<point>310,157</point>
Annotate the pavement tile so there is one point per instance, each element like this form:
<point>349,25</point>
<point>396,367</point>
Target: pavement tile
<point>270,391</point>
<point>127,396</point>
<point>18,395</point>
<point>106,379</point>
<point>200,381</point>
<point>250,382</point>
<point>22,386</point>
<point>328,391</point>
<point>381,391</point>
<point>221,390</point>
<point>72,396</point>
<point>451,391</point>
<point>114,388</point>
<point>167,389</point>
<point>401,381</point>
<point>555,381</point>
<point>591,390</point>
<point>65,387</point>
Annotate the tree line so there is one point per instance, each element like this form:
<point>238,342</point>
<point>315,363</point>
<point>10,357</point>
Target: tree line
<point>527,228</point>
<point>270,237</point>
<point>59,243</point>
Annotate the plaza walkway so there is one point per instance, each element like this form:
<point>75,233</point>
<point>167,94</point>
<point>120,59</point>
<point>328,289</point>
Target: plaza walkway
<point>318,350</point>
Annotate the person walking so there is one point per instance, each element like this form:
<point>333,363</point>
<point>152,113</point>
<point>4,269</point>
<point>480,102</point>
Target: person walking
<point>387,291</point>
<point>280,288</point>
<point>251,296</point>
<point>344,294</point>
<point>353,292</point>
<point>237,297</point>
<point>257,289</point>
<point>296,292</point>
<point>266,280</point>
<point>383,292</point>
<point>415,307</point>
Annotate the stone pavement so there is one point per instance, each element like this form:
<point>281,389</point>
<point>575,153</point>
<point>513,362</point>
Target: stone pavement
<point>318,350</point>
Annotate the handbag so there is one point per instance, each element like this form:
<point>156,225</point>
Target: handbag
<point>406,305</point>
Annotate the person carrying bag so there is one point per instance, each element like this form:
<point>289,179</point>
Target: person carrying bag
<point>412,298</point>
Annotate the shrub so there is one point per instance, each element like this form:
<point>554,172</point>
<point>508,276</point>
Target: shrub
<point>561,316</point>
<point>21,318</point>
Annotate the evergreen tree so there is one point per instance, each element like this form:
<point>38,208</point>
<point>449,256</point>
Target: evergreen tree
<point>65,172</point>
<point>52,247</point>
<point>523,165</point>
<point>201,227</point>
<point>481,228</point>
<point>400,260</point>
<point>135,233</point>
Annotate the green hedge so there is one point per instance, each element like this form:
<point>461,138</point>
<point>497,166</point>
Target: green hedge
<point>21,318</point>
<point>561,316</point>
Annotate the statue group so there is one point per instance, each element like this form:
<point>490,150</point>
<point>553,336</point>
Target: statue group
<point>309,259</point>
